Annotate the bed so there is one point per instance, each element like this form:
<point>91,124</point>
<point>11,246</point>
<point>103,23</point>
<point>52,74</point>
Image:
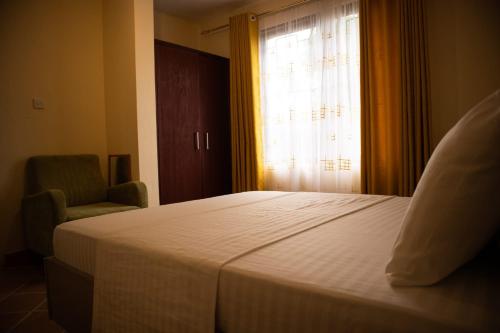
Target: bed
<point>257,262</point>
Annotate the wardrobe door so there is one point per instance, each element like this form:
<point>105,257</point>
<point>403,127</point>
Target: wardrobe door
<point>214,110</point>
<point>178,124</point>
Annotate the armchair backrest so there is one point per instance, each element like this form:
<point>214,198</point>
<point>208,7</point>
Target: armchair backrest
<point>78,176</point>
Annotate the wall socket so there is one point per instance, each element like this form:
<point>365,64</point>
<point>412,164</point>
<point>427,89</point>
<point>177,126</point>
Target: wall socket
<point>38,104</point>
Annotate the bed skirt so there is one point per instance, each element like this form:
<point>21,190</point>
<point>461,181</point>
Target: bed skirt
<point>69,296</point>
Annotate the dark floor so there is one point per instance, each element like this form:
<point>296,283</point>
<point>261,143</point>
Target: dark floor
<point>23,303</point>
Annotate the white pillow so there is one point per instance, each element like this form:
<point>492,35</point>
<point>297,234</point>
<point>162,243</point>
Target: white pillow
<point>455,210</point>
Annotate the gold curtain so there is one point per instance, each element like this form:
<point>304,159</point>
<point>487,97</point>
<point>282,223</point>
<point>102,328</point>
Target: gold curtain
<point>246,138</point>
<point>395,106</point>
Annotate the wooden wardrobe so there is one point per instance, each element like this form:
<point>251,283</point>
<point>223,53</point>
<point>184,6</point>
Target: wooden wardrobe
<point>192,106</point>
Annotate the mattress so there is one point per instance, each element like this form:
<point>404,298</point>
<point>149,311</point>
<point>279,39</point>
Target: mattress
<point>324,274</point>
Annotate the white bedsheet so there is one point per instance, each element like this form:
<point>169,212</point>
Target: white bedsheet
<point>155,264</point>
<point>331,279</point>
<point>166,275</point>
<point>75,241</point>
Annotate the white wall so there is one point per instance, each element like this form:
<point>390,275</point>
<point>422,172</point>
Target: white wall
<point>119,78</point>
<point>130,87</point>
<point>52,50</point>
<point>176,30</point>
<point>146,101</point>
<point>464,52</point>
<point>92,63</point>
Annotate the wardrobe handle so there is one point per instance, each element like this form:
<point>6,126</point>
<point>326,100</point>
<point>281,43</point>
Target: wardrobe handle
<point>197,140</point>
<point>207,144</point>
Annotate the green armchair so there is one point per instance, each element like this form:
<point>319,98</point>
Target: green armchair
<point>67,188</point>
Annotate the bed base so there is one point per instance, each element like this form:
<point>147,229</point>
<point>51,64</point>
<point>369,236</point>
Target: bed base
<point>69,296</point>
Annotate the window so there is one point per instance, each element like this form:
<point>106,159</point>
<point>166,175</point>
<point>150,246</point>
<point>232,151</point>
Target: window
<point>310,98</point>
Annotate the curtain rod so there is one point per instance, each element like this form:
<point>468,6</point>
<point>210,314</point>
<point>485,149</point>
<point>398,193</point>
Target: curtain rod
<point>226,26</point>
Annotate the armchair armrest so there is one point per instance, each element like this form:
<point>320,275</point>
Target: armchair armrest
<point>131,193</point>
<point>41,213</point>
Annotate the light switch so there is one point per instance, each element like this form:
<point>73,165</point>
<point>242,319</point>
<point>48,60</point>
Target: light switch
<point>38,104</point>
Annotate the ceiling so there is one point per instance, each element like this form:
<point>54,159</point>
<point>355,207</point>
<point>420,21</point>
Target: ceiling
<point>193,9</point>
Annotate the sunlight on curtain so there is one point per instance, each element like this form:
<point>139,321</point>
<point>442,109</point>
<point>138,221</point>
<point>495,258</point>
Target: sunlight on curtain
<point>310,98</point>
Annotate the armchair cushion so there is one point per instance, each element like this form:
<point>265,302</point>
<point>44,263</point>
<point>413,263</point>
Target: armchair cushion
<point>100,208</point>
<point>131,194</point>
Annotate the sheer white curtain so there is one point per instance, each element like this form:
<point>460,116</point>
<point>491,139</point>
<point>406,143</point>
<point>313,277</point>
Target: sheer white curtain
<point>310,97</point>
